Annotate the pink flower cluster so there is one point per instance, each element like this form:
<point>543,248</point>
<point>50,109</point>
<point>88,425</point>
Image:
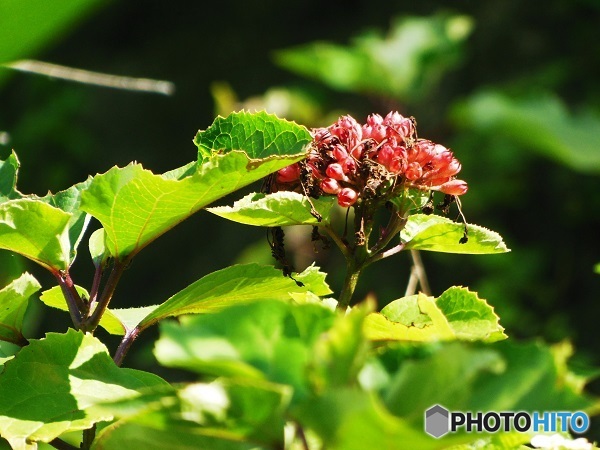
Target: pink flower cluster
<point>344,155</point>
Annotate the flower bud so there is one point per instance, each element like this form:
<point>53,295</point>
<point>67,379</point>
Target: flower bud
<point>454,187</point>
<point>347,197</point>
<point>335,171</point>
<point>413,171</point>
<point>288,174</point>
<point>349,165</point>
<point>330,186</point>
<point>339,153</point>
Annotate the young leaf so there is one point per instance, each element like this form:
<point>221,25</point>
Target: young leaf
<point>281,208</point>
<point>115,321</point>
<point>13,304</point>
<point>96,247</point>
<point>37,231</point>
<point>456,314</point>
<point>440,234</point>
<point>50,385</point>
<point>234,285</point>
<point>260,135</point>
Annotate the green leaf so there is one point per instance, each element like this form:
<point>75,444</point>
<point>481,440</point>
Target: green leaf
<point>37,231</point>
<point>340,354</point>
<point>8,178</point>
<point>50,385</point>
<point>69,201</point>
<point>507,376</point>
<point>96,247</point>
<point>406,64</point>
<point>281,208</point>
<point>225,413</point>
<point>541,123</point>
<point>115,321</point>
<point>597,268</point>
<point>260,135</point>
<point>440,234</point>
<point>136,206</point>
<point>269,340</point>
<point>456,314</point>
<point>237,284</point>
<point>349,419</point>
<point>13,304</point>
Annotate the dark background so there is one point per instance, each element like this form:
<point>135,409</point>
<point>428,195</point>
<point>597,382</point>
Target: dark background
<point>547,212</point>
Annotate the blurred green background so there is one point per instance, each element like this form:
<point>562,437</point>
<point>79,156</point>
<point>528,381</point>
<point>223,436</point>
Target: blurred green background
<point>511,87</point>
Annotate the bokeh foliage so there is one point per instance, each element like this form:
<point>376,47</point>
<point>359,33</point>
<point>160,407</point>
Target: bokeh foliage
<point>510,86</point>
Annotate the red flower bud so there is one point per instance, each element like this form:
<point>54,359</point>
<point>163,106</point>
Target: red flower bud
<point>330,186</point>
<point>349,165</point>
<point>413,171</point>
<point>454,187</point>
<point>335,171</point>
<point>347,197</point>
<point>340,153</point>
<point>289,174</point>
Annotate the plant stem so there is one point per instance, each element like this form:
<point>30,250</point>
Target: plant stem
<point>88,437</point>
<point>352,274</point>
<point>338,241</point>
<point>74,302</point>
<point>420,272</point>
<point>125,345</point>
<point>95,285</point>
<point>92,322</point>
<point>302,437</point>
<point>62,445</point>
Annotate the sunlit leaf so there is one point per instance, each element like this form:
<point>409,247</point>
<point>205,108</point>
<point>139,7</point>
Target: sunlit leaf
<point>37,231</point>
<point>260,135</point>
<point>281,208</point>
<point>456,314</point>
<point>238,284</point>
<point>440,234</point>
<point>48,387</point>
<point>13,304</point>
<point>136,206</point>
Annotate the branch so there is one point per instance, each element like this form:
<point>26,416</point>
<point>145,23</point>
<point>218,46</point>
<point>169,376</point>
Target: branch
<point>420,271</point>
<point>125,345</point>
<point>338,241</point>
<point>92,321</point>
<point>96,78</point>
<point>62,445</point>
<point>77,308</point>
